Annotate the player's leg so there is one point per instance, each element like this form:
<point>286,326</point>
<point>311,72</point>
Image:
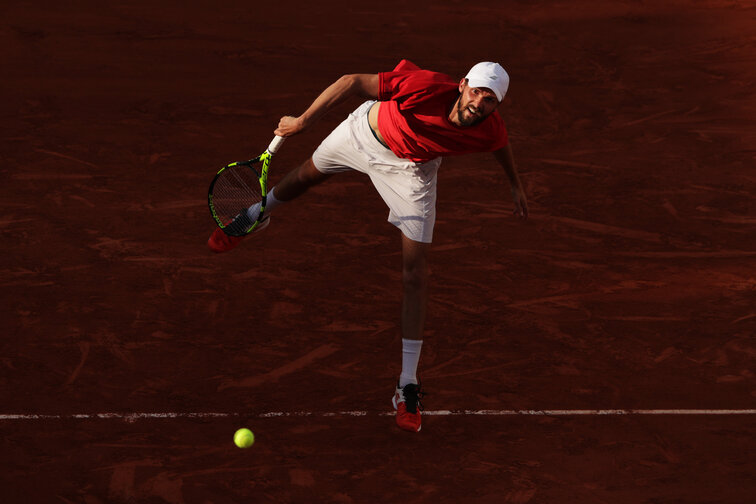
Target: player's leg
<point>292,185</point>
<point>409,191</point>
<point>415,299</point>
<point>415,285</point>
<point>297,181</point>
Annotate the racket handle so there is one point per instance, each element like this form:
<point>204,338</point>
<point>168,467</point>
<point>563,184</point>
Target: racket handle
<point>276,144</point>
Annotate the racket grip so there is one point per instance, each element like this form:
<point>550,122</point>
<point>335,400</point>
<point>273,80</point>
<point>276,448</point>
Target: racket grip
<point>276,144</point>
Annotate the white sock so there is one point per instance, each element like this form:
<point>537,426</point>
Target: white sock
<point>270,203</point>
<point>253,212</point>
<point>410,359</point>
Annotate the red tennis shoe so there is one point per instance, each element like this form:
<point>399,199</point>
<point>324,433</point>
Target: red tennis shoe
<point>221,242</point>
<point>408,407</point>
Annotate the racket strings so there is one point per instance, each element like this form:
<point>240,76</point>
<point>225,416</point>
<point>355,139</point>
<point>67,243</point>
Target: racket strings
<point>237,189</point>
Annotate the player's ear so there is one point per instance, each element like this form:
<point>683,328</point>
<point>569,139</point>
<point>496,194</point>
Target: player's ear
<point>462,84</point>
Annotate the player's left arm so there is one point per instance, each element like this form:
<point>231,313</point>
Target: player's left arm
<point>506,159</point>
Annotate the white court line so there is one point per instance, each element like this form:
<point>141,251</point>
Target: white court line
<point>131,417</point>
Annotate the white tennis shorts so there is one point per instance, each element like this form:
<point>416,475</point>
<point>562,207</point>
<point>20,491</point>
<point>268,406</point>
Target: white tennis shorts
<point>408,188</point>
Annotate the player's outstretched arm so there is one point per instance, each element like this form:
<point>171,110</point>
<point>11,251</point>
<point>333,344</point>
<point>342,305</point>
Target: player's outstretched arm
<point>506,159</point>
<point>362,85</point>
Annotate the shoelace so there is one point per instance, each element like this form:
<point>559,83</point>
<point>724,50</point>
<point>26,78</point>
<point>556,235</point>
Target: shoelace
<point>412,395</point>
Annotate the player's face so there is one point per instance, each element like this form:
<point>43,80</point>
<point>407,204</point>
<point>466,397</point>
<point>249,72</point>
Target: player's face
<point>473,105</point>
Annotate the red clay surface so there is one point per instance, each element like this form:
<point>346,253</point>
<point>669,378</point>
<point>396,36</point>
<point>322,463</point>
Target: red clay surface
<point>631,286</point>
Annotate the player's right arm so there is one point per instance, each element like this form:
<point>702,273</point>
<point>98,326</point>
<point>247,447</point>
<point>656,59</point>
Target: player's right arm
<point>362,85</point>
<point>506,160</point>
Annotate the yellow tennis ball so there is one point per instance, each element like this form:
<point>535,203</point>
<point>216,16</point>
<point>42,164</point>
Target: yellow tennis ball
<point>244,438</point>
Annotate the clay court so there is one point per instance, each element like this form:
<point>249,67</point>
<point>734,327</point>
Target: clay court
<point>602,351</point>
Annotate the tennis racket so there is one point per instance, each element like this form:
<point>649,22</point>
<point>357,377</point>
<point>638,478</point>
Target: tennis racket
<point>236,188</point>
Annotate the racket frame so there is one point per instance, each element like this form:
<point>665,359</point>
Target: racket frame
<point>262,178</point>
<point>265,158</point>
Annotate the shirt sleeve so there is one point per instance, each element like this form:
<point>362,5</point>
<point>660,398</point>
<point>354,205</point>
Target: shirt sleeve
<point>399,85</point>
<point>389,81</point>
<point>388,84</point>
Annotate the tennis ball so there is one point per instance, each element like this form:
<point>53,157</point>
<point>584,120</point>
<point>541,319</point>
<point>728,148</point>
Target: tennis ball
<point>244,438</point>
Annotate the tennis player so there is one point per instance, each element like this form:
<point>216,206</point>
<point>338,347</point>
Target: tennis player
<point>412,118</point>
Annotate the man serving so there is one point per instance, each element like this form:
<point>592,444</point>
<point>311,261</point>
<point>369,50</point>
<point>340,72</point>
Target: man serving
<point>412,118</point>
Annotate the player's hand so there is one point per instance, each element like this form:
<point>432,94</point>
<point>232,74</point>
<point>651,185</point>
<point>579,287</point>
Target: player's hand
<point>521,203</point>
<point>289,126</point>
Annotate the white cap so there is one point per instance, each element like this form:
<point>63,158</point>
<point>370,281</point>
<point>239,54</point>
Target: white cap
<point>489,75</point>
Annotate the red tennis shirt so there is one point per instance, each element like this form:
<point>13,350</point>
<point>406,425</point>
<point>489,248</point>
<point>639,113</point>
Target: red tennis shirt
<point>414,117</point>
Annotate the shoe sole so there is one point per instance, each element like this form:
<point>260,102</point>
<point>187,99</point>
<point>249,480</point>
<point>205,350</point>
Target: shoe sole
<point>408,430</point>
<point>263,224</point>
